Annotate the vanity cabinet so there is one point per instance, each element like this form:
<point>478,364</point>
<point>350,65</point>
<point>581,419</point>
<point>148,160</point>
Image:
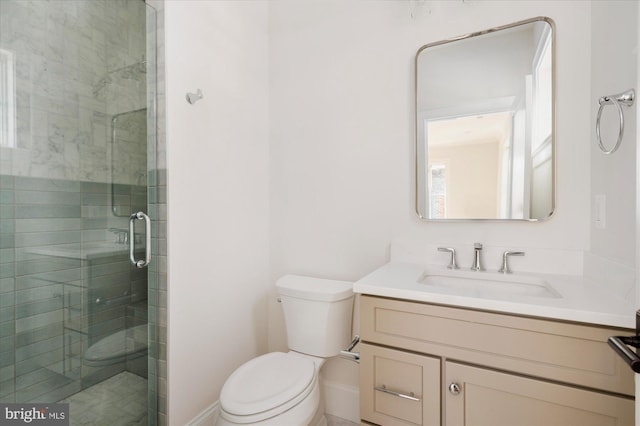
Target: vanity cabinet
<point>470,367</point>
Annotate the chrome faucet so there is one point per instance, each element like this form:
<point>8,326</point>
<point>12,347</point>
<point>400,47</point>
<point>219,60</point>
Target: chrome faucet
<point>121,235</point>
<point>452,263</point>
<point>477,263</point>
<point>505,260</point>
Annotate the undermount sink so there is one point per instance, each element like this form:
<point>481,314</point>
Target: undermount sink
<point>486,284</point>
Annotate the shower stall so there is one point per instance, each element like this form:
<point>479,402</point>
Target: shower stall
<point>79,208</point>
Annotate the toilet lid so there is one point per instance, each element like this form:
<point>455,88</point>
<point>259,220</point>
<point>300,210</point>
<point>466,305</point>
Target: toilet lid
<point>266,382</point>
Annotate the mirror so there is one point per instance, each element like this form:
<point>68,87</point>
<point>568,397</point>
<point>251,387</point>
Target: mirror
<point>485,125</point>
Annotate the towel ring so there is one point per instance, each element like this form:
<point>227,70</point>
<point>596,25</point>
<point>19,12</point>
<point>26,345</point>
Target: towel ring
<point>625,98</point>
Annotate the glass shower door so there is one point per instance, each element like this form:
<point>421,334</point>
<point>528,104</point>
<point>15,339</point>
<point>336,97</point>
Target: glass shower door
<point>77,146</point>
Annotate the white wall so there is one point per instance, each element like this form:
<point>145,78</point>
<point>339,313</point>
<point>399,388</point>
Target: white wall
<point>217,195</point>
<point>342,129</point>
<point>614,69</point>
<point>342,135</point>
<point>306,134</point>
<point>472,178</point>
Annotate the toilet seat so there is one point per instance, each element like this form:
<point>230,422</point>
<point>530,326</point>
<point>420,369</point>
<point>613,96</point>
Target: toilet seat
<point>267,386</point>
<point>113,348</point>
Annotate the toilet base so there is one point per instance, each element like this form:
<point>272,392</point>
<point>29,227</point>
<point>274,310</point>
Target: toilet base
<point>319,419</point>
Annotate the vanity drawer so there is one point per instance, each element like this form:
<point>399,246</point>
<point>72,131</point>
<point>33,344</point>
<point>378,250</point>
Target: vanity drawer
<point>558,351</point>
<point>398,388</point>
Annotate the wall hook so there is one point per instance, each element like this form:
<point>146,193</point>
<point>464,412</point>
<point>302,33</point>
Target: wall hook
<point>192,98</point>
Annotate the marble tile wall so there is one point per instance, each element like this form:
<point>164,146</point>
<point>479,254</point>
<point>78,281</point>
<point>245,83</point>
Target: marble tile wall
<point>77,64</point>
<point>128,147</point>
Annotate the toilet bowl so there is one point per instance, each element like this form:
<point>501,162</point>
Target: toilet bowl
<point>114,348</point>
<point>273,389</point>
<point>283,388</point>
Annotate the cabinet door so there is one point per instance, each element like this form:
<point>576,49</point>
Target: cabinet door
<point>493,398</point>
<point>398,388</point>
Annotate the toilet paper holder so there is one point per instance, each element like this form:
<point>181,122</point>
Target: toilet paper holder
<point>348,353</point>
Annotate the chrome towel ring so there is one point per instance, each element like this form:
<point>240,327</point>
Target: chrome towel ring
<point>624,98</point>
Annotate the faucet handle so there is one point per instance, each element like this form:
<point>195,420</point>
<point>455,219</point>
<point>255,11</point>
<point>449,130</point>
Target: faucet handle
<point>477,246</point>
<point>505,260</point>
<point>121,235</point>
<point>452,263</point>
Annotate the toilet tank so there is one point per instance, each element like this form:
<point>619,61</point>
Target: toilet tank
<point>317,314</point>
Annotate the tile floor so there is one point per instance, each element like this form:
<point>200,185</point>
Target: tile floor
<point>121,401</point>
<point>338,421</point>
<point>118,401</point>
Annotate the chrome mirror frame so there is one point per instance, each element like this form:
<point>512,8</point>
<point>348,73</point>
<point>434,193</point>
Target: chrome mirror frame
<point>421,200</point>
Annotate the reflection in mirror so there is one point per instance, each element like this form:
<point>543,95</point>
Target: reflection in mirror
<point>484,106</point>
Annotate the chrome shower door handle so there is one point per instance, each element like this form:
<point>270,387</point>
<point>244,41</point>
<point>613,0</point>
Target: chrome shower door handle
<point>132,239</point>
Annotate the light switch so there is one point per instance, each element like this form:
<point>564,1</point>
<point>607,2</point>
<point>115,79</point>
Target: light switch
<point>600,211</point>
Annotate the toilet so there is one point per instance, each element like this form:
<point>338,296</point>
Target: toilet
<point>283,388</point>
<point>114,348</point>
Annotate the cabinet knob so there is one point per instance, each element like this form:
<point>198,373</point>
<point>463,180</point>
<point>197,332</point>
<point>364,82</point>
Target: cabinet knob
<point>455,389</point>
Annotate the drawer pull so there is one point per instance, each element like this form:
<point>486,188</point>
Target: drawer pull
<point>384,389</point>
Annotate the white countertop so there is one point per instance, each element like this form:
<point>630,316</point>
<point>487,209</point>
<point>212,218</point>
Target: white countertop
<point>86,251</point>
<point>580,300</point>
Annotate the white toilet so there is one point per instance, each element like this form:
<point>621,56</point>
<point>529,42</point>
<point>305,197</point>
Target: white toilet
<point>283,388</point>
<point>117,348</point>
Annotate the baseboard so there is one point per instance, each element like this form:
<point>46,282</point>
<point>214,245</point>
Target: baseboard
<point>207,417</point>
<point>342,400</point>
